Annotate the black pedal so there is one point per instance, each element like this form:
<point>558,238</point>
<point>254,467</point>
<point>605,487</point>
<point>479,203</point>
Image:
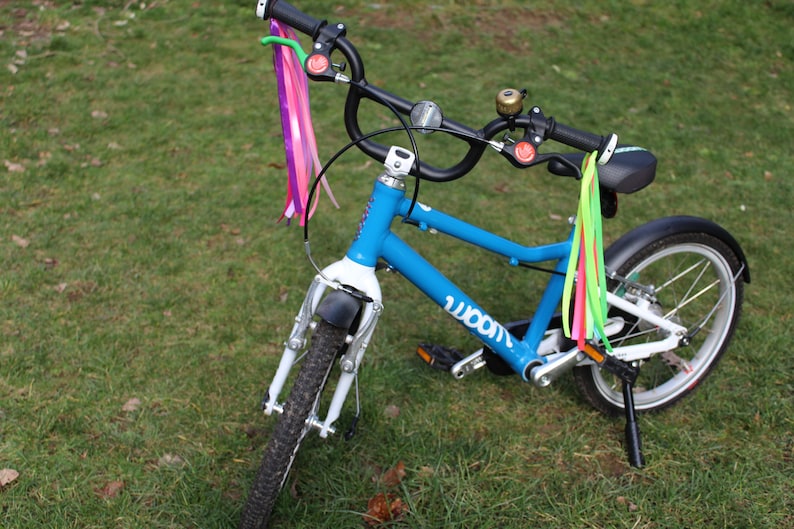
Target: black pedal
<point>439,356</point>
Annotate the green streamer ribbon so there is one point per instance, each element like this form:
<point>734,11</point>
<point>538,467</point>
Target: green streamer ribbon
<point>586,265</point>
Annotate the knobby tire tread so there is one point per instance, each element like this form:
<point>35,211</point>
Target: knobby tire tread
<point>326,342</point>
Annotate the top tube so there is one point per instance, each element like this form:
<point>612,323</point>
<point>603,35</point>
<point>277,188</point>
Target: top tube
<point>374,239</point>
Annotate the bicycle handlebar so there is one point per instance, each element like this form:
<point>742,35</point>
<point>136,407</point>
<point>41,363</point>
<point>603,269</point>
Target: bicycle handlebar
<point>521,154</point>
<point>284,12</point>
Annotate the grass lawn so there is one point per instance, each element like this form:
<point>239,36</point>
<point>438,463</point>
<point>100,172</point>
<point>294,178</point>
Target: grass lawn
<point>146,287</point>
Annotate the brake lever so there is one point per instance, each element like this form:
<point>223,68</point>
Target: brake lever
<point>564,161</point>
<point>317,64</point>
<point>509,152</point>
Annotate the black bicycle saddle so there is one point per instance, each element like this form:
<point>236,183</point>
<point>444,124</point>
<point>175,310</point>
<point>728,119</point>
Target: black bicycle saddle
<point>630,169</point>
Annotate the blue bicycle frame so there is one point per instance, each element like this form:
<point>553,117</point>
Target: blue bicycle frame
<point>374,239</point>
<point>536,356</point>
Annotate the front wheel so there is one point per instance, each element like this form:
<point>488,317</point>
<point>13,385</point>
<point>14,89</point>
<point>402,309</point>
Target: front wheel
<point>302,403</point>
<point>694,280</point>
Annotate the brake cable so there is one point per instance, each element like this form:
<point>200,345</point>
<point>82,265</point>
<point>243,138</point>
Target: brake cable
<point>318,178</point>
<point>350,145</point>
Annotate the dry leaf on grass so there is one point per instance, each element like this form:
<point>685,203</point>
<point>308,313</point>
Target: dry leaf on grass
<point>631,506</point>
<point>14,167</point>
<point>393,476</point>
<point>110,490</point>
<point>170,460</point>
<point>383,508</point>
<point>131,405</point>
<point>8,475</point>
<point>20,241</point>
<point>392,411</point>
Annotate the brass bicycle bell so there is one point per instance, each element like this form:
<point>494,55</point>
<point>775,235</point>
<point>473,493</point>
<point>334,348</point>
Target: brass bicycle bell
<point>510,102</point>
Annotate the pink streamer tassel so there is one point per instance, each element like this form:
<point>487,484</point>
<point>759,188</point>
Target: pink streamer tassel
<point>579,326</point>
<point>300,144</point>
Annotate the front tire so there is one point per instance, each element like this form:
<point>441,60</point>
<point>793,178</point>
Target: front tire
<point>695,277</point>
<point>326,342</point>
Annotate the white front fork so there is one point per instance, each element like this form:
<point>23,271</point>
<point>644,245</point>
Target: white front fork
<point>343,272</point>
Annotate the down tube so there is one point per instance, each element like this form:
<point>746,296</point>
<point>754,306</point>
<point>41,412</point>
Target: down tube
<point>476,236</point>
<point>460,306</point>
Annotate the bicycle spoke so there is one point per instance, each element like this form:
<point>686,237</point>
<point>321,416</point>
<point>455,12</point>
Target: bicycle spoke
<point>675,278</point>
<point>690,300</point>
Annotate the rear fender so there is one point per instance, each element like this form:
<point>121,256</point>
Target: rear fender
<point>642,236</point>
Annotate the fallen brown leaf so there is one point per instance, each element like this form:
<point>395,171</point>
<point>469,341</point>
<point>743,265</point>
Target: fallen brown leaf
<point>20,241</point>
<point>111,489</point>
<point>14,167</point>
<point>170,460</point>
<point>392,411</point>
<point>383,508</point>
<point>631,506</point>
<point>132,404</point>
<point>8,475</point>
<point>426,472</point>
<point>393,476</point>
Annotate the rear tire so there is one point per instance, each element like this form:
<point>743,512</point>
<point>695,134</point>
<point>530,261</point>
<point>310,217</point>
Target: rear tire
<point>694,275</point>
<point>302,403</point>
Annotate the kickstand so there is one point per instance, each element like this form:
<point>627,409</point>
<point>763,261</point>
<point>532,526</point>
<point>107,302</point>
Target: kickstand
<point>628,374</point>
<point>633,442</point>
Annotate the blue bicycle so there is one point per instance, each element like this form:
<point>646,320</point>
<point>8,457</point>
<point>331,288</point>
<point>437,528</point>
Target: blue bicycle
<point>674,294</point>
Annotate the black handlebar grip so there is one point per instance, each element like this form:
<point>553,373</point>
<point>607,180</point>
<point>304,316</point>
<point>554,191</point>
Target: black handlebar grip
<point>290,15</point>
<point>584,141</point>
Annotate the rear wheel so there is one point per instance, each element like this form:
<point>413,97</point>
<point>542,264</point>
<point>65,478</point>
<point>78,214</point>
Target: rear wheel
<point>693,277</point>
<point>292,426</point>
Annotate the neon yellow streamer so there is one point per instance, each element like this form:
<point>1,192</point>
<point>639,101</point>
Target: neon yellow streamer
<point>586,264</point>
